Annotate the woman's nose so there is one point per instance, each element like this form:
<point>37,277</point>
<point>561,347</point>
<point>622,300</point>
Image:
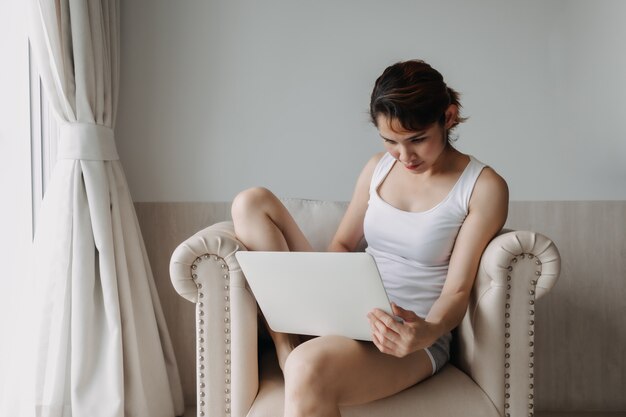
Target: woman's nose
<point>405,155</point>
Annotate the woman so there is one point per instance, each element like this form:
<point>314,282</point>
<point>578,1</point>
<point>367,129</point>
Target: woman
<point>427,212</point>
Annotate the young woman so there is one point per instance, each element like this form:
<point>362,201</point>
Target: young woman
<point>427,212</point>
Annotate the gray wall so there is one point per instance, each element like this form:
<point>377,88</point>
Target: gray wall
<point>217,96</point>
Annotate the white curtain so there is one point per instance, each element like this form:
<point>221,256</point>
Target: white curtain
<point>103,349</point>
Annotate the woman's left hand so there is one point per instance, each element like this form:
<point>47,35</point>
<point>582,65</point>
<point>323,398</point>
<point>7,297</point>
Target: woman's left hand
<point>400,338</point>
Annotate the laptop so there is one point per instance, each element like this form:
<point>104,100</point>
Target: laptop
<point>315,293</point>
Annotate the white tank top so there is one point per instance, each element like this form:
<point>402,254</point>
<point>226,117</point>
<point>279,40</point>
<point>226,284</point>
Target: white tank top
<point>413,249</point>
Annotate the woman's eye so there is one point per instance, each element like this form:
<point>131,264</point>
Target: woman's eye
<point>417,140</point>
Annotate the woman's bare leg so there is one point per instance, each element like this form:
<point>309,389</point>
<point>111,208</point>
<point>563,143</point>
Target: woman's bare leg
<point>263,223</point>
<point>326,372</point>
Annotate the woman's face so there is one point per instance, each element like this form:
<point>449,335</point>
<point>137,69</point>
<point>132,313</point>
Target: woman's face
<point>418,151</point>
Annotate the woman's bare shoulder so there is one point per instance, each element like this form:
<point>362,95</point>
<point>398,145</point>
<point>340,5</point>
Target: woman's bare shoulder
<point>491,180</point>
<point>376,158</point>
<point>370,166</point>
<point>368,171</point>
<point>491,190</point>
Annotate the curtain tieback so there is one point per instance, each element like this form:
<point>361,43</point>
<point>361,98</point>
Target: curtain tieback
<point>87,141</point>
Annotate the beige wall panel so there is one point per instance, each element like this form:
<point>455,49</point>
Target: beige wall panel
<point>580,332</point>
<point>164,226</point>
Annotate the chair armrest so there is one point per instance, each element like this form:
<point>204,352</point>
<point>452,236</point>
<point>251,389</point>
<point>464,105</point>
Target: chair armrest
<point>204,270</point>
<point>496,336</point>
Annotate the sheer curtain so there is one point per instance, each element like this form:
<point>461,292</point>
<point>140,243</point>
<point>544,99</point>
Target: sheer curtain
<point>103,348</point>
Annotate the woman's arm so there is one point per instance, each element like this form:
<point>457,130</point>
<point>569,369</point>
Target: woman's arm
<point>350,230</point>
<point>487,214</point>
<point>488,211</point>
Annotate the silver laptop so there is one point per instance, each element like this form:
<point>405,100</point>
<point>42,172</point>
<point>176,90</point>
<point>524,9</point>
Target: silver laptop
<point>315,293</point>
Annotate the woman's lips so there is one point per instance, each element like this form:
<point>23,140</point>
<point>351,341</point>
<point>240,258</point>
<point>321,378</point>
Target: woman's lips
<point>412,166</point>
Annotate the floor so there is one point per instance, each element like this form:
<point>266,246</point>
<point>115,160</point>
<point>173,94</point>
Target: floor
<point>191,412</point>
<point>579,414</point>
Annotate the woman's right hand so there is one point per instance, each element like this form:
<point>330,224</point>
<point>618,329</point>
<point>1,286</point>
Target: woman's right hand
<point>400,338</point>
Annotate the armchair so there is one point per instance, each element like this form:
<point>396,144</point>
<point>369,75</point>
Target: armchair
<point>491,372</point>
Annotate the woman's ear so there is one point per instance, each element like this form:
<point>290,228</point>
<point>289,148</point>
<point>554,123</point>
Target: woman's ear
<point>452,116</point>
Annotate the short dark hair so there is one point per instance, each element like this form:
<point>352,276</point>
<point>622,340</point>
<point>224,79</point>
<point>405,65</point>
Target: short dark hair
<point>415,94</point>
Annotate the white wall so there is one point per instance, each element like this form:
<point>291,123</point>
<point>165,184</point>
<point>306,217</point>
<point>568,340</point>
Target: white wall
<point>15,207</point>
<point>219,96</point>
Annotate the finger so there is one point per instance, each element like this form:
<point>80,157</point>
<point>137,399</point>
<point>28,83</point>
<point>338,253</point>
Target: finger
<point>373,326</point>
<point>377,312</point>
<point>377,327</point>
<point>385,331</point>
<point>372,321</point>
<point>377,343</point>
<point>381,343</point>
<point>399,311</point>
<point>383,325</point>
<point>406,315</point>
<point>385,318</point>
<point>384,345</point>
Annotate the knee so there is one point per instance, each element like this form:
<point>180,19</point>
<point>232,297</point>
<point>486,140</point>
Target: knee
<point>248,200</point>
<point>303,367</point>
<point>308,378</point>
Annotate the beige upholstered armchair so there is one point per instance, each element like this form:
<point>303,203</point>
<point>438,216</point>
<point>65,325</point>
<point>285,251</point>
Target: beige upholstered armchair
<point>491,373</point>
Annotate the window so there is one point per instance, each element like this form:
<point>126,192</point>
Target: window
<point>44,135</point>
